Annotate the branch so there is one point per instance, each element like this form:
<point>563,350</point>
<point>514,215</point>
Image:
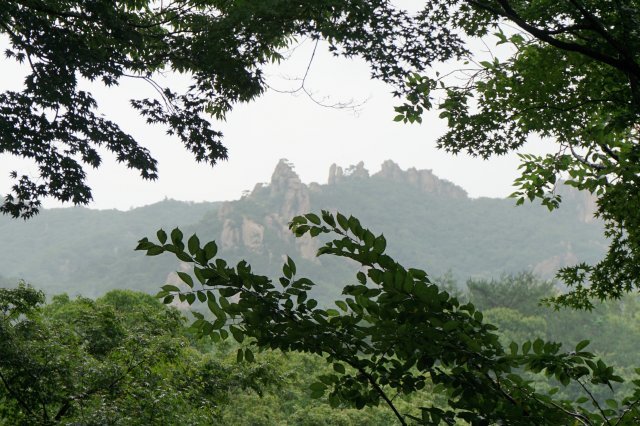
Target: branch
<point>584,160</point>
<point>627,411</point>
<point>380,391</point>
<point>496,384</point>
<point>584,419</point>
<point>595,402</point>
<point>303,88</point>
<point>15,395</point>
<point>597,25</point>
<point>508,12</point>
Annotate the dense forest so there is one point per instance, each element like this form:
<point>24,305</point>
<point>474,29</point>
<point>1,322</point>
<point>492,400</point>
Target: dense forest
<point>126,359</point>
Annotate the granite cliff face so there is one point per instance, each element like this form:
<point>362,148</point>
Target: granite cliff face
<point>284,197</point>
<point>287,187</point>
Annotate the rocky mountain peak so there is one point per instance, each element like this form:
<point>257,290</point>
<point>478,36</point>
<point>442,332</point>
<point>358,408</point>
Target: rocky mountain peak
<point>423,179</point>
<point>286,183</point>
<point>284,177</point>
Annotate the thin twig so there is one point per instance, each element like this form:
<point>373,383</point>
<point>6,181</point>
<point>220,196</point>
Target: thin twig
<point>595,402</point>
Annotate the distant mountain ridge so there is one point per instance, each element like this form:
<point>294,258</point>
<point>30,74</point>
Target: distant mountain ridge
<point>429,223</point>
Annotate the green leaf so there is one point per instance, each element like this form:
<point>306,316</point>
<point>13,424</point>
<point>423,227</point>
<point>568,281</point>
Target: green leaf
<point>162,236</point>
<point>154,251</point>
<point>286,270</point>
<point>199,275</point>
<point>214,307</point>
<point>612,403</point>
<point>237,334</point>
<point>292,265</point>
<point>176,237</point>
<point>186,278</point>
<point>313,218</point>
<point>248,355</point>
<point>583,344</point>
<point>318,386</point>
<point>380,244</point>
<point>229,291</point>
<point>342,221</point>
<point>184,257</point>
<point>425,293</point>
<point>170,287</point>
<point>210,250</point>
<point>369,239</point>
<point>339,368</point>
<point>145,244</point>
<point>328,218</point>
<point>538,345</point>
<point>239,355</point>
<point>224,303</point>
<point>193,244</point>
<point>450,325</point>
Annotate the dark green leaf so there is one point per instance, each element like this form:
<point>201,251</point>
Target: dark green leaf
<point>186,278</point>
<point>162,236</point>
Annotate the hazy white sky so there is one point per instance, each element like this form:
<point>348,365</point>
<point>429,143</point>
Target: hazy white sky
<point>281,126</point>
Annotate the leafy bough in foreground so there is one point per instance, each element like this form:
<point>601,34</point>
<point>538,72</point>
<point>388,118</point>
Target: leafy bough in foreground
<point>394,331</point>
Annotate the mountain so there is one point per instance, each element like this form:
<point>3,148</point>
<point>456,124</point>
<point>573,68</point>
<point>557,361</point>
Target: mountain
<point>429,223</point>
<point>83,251</point>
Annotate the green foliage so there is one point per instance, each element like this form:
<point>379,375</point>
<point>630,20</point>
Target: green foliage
<point>573,76</point>
<point>394,331</point>
<point>123,359</point>
<point>171,378</point>
<point>522,292</point>
<point>438,227</point>
<point>292,402</point>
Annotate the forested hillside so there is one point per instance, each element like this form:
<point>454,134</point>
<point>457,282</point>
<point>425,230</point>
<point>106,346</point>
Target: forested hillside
<point>82,251</point>
<point>429,223</point>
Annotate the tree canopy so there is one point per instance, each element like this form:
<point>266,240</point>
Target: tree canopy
<point>123,359</point>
